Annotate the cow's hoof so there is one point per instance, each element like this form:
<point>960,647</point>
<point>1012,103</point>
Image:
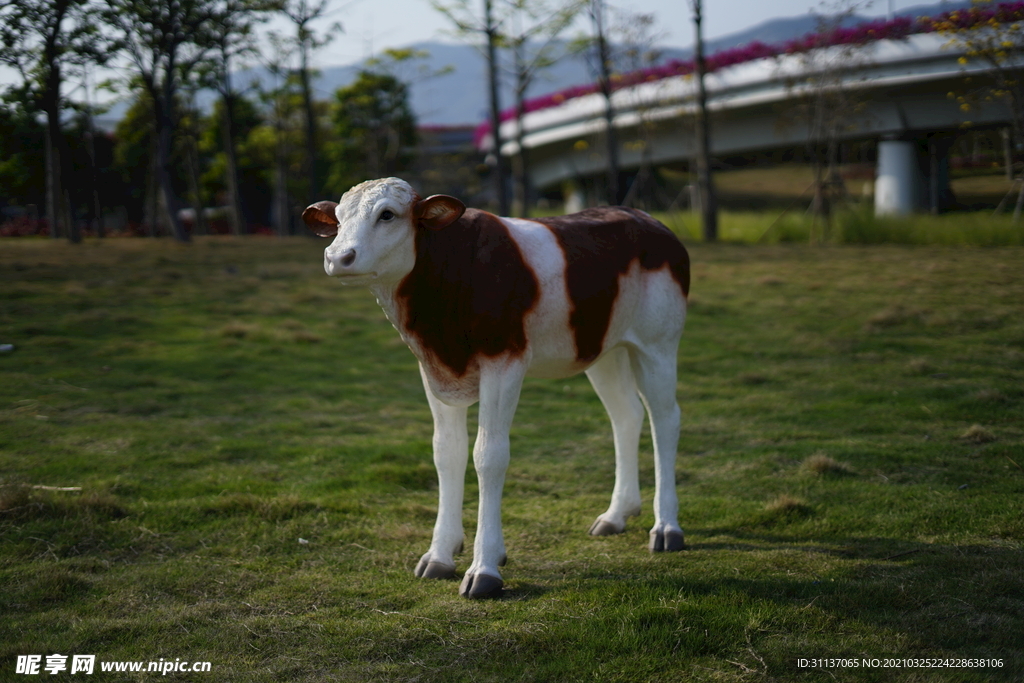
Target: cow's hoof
<point>603,528</point>
<point>476,586</point>
<point>670,540</point>
<point>434,570</point>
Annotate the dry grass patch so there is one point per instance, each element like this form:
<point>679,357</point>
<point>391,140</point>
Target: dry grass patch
<point>238,330</point>
<point>784,509</point>
<point>920,366</point>
<point>825,466</point>
<point>894,316</point>
<point>978,435</point>
<point>306,337</point>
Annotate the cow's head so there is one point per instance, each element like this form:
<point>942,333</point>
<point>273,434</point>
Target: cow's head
<point>374,229</point>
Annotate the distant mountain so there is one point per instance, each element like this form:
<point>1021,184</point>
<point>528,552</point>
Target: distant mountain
<point>460,96</point>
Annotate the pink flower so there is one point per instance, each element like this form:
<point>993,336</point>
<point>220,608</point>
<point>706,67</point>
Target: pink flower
<point>897,29</point>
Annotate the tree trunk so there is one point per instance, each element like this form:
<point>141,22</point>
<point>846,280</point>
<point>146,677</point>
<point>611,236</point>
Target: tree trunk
<point>163,103</point>
<point>611,138</point>
<point>307,103</point>
<point>149,216</point>
<point>282,224</point>
<point>238,226</point>
<point>97,206</point>
<point>501,195</point>
<point>708,198</point>
<point>53,190</point>
<point>199,221</point>
<point>521,172</point>
<point>56,202</point>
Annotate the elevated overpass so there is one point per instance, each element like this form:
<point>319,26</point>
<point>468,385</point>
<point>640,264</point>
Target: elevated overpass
<point>900,90</point>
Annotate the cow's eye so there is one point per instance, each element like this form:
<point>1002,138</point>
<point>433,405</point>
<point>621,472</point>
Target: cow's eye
<point>387,215</point>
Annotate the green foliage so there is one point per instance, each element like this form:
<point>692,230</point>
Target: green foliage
<point>374,130</point>
<point>134,149</point>
<point>22,172</point>
<point>850,475</point>
<point>255,160</point>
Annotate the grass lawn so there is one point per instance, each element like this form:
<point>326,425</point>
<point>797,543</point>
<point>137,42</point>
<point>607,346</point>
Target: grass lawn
<point>252,446</point>
<point>778,186</point>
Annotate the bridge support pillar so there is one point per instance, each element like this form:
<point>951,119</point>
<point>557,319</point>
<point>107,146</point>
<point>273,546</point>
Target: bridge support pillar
<point>575,198</point>
<point>898,178</point>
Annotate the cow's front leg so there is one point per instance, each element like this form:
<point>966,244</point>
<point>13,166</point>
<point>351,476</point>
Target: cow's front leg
<point>500,384</point>
<point>451,451</point>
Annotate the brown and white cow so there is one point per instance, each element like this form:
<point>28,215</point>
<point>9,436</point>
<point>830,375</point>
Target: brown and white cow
<point>484,301</point>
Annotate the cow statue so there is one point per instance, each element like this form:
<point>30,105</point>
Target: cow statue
<point>484,302</point>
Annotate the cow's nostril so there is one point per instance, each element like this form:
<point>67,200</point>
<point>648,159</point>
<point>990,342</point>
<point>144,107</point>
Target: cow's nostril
<point>349,258</point>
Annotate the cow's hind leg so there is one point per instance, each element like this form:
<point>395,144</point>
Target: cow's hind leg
<point>612,379</point>
<point>451,453</point>
<point>654,367</point>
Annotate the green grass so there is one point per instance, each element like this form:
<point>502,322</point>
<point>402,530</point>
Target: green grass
<point>855,225</point>
<point>850,476</point>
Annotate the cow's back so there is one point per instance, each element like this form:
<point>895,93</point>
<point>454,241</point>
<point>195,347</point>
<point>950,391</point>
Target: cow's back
<point>602,245</point>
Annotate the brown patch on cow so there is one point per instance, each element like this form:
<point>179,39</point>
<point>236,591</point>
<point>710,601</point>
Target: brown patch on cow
<point>469,292</point>
<point>599,245</point>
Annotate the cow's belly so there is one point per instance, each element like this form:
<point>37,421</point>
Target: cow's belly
<point>649,308</point>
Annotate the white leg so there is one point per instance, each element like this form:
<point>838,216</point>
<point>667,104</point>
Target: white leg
<point>500,384</point>
<point>612,379</point>
<point>655,371</point>
<point>451,452</point>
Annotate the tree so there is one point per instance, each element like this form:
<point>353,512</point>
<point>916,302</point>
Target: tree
<point>535,26</point>
<point>604,80</point>
<point>40,41</point>
<point>825,104</point>
<point>280,103</point>
<point>468,24</point>
<point>135,160</point>
<point>637,51</point>
<point>706,185</point>
<point>303,13</point>
<point>618,43</point>
<point>375,129</point>
<point>189,133</point>
<point>233,36</point>
<point>22,173</point>
<point>220,152</point>
<point>165,40</point>
<point>993,36</point>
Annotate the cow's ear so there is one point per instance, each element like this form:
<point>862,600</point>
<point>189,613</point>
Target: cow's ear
<point>320,218</point>
<point>438,211</point>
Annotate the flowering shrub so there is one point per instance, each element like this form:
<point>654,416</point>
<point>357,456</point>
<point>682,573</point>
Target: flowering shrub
<point>23,226</point>
<point>897,29</point>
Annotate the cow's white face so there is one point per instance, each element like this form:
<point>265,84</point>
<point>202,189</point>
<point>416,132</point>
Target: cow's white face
<point>375,239</point>
<point>374,229</point>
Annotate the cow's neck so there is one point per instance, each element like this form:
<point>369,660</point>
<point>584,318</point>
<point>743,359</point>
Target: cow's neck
<point>387,299</point>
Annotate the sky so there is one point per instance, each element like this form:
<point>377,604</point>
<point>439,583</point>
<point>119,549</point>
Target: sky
<point>373,25</point>
<point>370,26</point>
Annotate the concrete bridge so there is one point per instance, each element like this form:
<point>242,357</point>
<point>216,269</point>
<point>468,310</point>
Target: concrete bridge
<point>899,93</point>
